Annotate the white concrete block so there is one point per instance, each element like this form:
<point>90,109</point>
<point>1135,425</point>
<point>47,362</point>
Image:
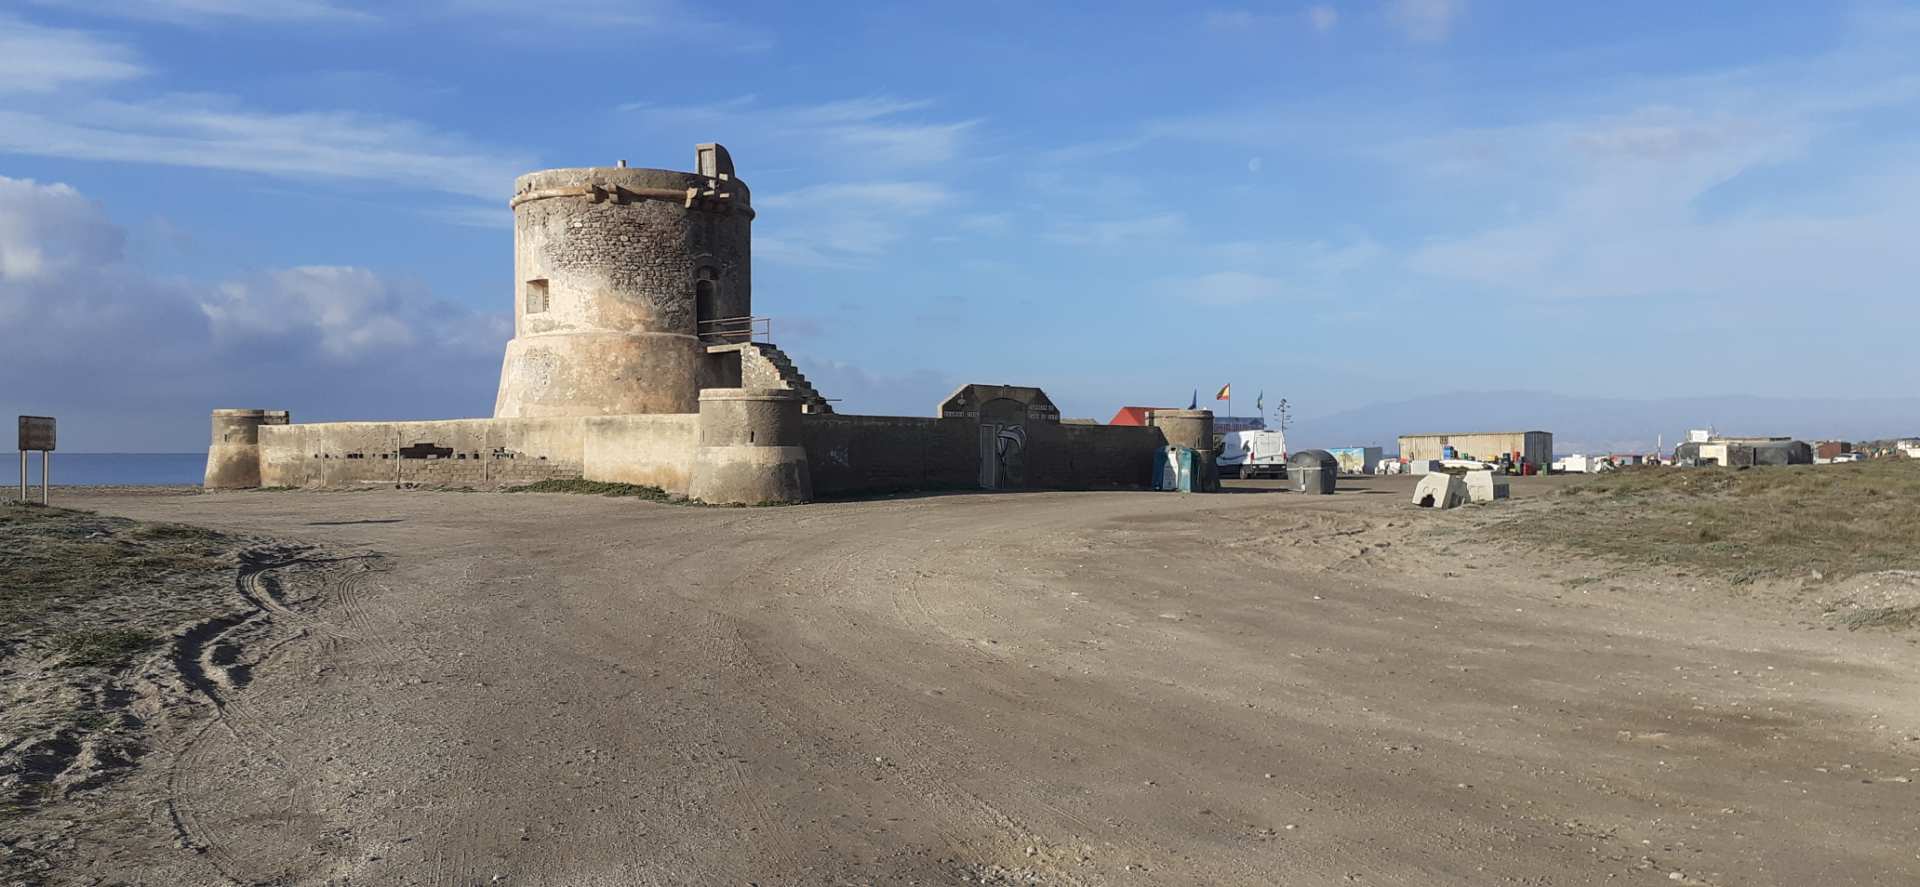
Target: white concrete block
<point>1438,490</point>
<point>1486,486</point>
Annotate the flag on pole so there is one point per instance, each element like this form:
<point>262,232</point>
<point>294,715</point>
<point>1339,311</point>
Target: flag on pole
<point>1226,391</point>
<point>1194,404</point>
<point>1260,403</point>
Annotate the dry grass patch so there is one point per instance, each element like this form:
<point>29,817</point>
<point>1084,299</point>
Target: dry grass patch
<point>595,488</point>
<point>1820,522</point>
<point>83,600</point>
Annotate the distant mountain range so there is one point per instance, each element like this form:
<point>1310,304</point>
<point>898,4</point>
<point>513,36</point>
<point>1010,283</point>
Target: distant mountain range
<point>1603,425</point>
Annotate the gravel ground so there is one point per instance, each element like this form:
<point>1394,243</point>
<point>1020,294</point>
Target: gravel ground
<point>1043,688</point>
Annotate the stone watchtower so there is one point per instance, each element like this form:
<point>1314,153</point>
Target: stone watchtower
<point>616,269</point>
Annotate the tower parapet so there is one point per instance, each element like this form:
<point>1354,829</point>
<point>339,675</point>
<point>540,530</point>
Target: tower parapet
<point>614,270</point>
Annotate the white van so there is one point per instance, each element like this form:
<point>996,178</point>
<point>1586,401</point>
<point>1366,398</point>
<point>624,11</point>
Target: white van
<point>1254,454</point>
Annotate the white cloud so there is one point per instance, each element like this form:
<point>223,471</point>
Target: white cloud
<point>898,197</point>
<point>1306,275</point>
<point>132,360</point>
<point>1113,233</point>
<point>1425,21</point>
<point>894,393</point>
<point>842,224</point>
<point>864,134</point>
<point>1235,20</point>
<point>35,59</point>
<point>1322,18</point>
<point>46,230</point>
<point>186,11</point>
<point>605,21</point>
<point>985,223</point>
<point>496,216</point>
<point>861,110</point>
<point>215,132</point>
<point>1222,288</point>
<point>348,311</point>
<point>62,110</point>
<point>880,165</point>
<point>1645,198</point>
<point>586,19</point>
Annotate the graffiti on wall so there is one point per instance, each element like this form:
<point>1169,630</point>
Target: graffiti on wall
<point>1003,461</point>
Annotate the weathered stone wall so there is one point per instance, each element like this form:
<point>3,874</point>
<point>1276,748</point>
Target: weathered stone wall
<point>756,371</point>
<point>654,451</point>
<point>853,455</point>
<point>456,452</point>
<point>1091,457</point>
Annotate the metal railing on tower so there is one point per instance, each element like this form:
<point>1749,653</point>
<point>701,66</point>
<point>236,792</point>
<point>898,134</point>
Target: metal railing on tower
<point>735,330</point>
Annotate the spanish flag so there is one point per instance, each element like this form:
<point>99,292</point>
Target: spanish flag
<point>1226,391</point>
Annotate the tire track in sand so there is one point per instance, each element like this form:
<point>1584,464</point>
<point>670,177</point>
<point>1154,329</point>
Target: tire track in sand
<point>216,659</point>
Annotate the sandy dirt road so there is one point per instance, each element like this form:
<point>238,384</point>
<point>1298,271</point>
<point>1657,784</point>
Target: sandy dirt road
<point>1048,688</point>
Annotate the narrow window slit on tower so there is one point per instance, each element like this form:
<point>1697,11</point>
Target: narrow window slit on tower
<point>537,296</point>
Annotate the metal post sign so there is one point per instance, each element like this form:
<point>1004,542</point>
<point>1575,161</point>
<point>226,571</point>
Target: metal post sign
<point>36,433</point>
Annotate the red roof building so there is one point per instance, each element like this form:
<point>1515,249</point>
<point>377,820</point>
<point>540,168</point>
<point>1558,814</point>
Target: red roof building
<point>1135,415</point>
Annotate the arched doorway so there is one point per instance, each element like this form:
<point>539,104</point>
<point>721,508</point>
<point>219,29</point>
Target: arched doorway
<point>706,301</point>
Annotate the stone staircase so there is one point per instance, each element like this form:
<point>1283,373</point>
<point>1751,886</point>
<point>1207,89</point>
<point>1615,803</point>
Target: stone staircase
<point>764,365</point>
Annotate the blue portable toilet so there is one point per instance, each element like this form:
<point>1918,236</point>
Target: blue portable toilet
<point>1176,469</point>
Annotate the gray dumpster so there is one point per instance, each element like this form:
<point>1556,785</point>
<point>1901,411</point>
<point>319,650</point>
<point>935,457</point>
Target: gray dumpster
<point>1313,471</point>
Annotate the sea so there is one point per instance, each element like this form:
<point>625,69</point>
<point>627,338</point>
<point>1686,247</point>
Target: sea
<point>110,469</point>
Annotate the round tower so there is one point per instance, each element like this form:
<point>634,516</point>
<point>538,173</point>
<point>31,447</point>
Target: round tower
<point>1192,429</point>
<point>615,269</point>
<point>233,461</point>
<point>750,449</point>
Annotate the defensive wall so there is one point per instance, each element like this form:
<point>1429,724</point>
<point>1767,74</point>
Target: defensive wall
<point>656,450</point>
<point>843,455</point>
<point>636,358</point>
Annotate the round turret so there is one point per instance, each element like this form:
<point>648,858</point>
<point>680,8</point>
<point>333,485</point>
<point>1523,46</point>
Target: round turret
<point>1192,429</point>
<point>233,460</point>
<point>615,271</point>
<point>750,450</point>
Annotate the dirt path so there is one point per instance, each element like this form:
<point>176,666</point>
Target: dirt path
<point>1044,688</point>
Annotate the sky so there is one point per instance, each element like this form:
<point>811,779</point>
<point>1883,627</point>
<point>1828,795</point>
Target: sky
<point>301,204</point>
